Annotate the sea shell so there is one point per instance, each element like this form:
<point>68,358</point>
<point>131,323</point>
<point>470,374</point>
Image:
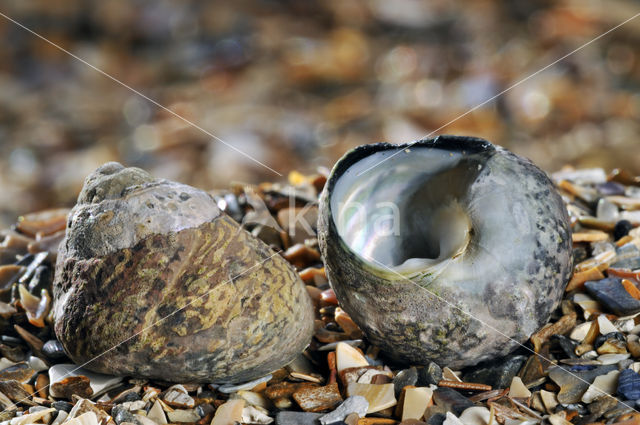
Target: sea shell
<point>153,280</point>
<point>451,249</point>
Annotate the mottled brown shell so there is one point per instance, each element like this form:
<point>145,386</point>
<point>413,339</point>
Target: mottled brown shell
<point>166,297</point>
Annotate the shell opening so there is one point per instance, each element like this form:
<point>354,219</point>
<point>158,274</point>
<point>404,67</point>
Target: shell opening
<point>409,213</point>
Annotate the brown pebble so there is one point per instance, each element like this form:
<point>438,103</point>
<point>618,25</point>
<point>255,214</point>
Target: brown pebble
<point>632,418</point>
<point>329,297</point>
<point>532,370</point>
<point>16,392</point>
<point>15,354</point>
<point>311,275</point>
<point>347,324</point>
<point>286,389</point>
<point>45,222</point>
<point>20,372</point>
<point>352,419</point>
<point>592,236</point>
<point>619,175</point>
<point>594,331</point>
<point>333,367</point>
<point>42,385</point>
<point>318,399</point>
<point>259,388</point>
<point>570,414</point>
<point>318,182</point>
<point>412,422</point>
<point>612,346</point>
<point>466,386</point>
<point>631,288</point>
<point>400,405</point>
<point>623,273</point>
<point>578,279</point>
<point>594,223</point>
<point>32,341</point>
<point>73,385</point>
<point>561,327</point>
<point>9,274</point>
<point>634,348</point>
<point>376,421</point>
<point>583,348</point>
<point>301,256</point>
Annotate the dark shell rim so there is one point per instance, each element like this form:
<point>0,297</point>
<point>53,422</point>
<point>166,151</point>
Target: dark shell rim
<point>468,144</point>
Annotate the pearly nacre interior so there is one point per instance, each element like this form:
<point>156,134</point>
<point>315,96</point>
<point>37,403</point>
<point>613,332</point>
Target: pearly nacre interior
<point>407,209</point>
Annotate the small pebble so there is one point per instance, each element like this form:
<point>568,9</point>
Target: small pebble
<point>228,389</point>
<point>182,415</point>
<point>613,296</point>
<point>451,400</point>
<point>622,229</point>
<point>157,414</point>
<point>256,415</point>
<point>348,357</point>
<point>573,384</point>
<point>477,415</point>
<point>629,384</point>
<point>379,397</point>
<point>354,404</point>
<point>229,413</point>
<point>602,385</point>
<point>297,418</point>
<point>403,378</point>
<point>517,389</point>
<point>416,401</point>
<point>318,399</point>
<point>121,414</point>
<point>177,396</point>
<point>53,350</point>
<point>431,374</point>
<point>20,372</point>
<point>62,405</point>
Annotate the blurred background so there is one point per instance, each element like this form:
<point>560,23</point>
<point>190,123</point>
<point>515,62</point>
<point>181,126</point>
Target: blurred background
<point>297,83</point>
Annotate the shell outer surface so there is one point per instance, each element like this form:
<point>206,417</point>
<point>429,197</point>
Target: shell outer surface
<point>152,280</point>
<point>510,277</point>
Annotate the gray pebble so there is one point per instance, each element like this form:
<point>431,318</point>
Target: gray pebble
<point>62,405</point>
<point>431,374</point>
<point>403,378</point>
<point>120,414</point>
<point>451,400</point>
<point>53,349</point>
<point>297,418</point>
<point>355,404</point>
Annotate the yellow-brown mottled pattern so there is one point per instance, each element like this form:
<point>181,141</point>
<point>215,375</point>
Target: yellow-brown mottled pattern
<point>217,307</point>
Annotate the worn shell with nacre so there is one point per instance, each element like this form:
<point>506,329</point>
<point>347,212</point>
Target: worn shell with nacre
<point>450,249</point>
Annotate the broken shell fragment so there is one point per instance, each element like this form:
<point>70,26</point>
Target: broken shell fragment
<point>429,246</point>
<point>153,280</point>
